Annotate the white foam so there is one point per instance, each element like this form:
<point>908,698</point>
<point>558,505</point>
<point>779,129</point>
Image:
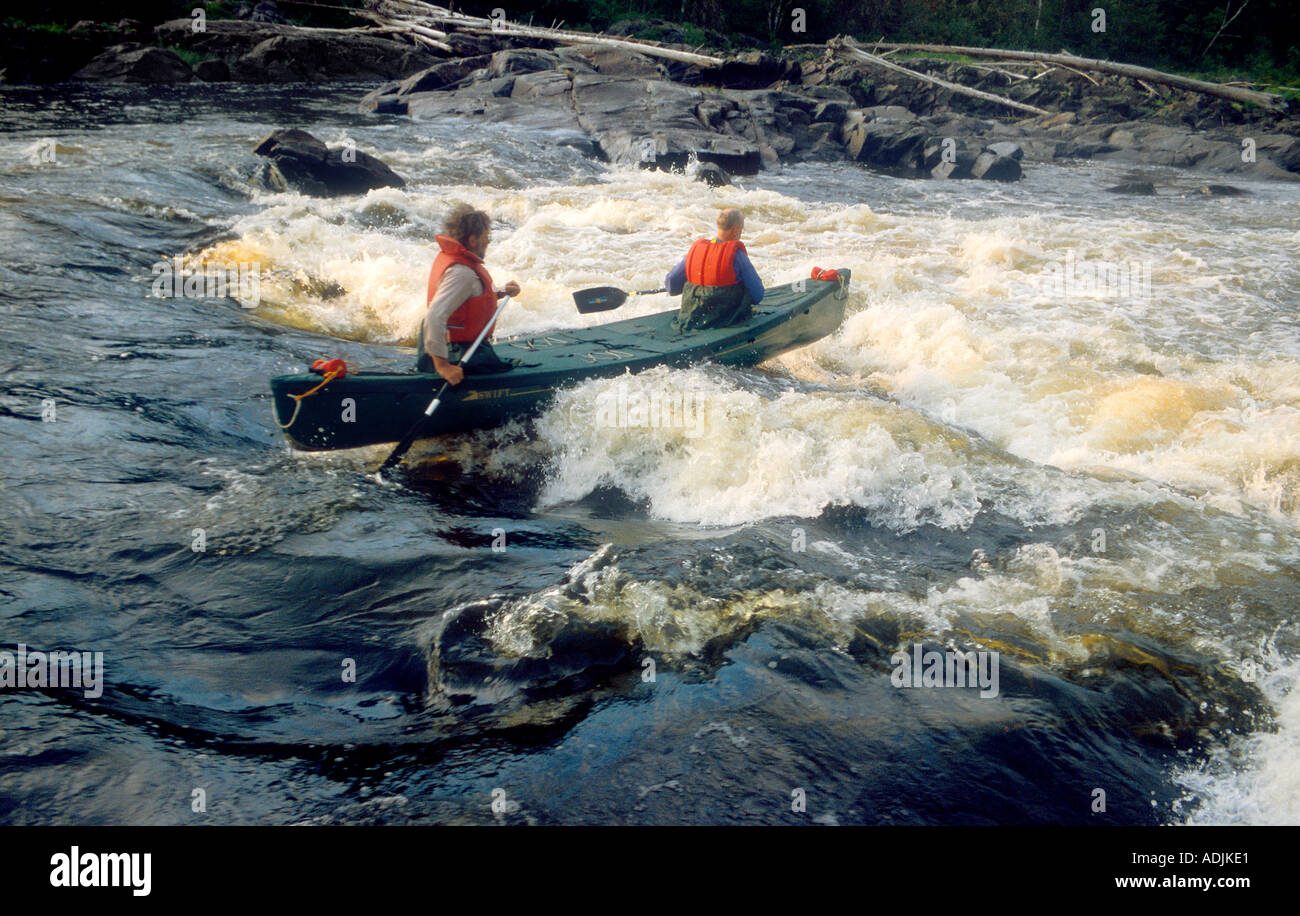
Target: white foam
<point>1196,386</point>
<point>1256,779</point>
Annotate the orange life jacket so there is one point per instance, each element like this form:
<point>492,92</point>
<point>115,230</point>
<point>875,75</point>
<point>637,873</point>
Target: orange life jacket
<point>711,263</point>
<point>464,324</point>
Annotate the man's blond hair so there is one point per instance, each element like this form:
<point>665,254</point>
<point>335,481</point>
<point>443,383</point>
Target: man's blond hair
<point>464,221</point>
<point>730,218</point>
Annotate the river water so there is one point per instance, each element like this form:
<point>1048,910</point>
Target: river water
<point>688,623</point>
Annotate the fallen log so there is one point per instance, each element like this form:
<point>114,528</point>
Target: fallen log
<point>849,49</point>
<point>407,12</point>
<point>428,37</point>
<point>1265,100</point>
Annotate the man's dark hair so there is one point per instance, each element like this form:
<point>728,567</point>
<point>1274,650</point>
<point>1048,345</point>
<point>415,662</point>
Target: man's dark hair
<point>464,221</point>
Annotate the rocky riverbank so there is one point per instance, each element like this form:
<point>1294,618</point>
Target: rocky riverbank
<point>760,111</point>
<point>757,110</point>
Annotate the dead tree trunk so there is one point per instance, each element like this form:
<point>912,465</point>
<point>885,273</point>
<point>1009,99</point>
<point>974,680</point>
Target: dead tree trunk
<point>850,50</point>
<point>413,14</point>
<point>1266,100</point>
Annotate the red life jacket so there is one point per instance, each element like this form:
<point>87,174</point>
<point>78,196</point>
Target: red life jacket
<point>711,263</point>
<point>464,324</point>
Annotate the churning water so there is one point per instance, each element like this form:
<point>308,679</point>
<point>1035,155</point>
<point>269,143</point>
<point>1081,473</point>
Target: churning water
<point>1056,425</point>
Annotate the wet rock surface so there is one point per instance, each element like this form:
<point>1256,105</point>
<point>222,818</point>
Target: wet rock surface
<point>135,63</point>
<point>303,163</point>
<point>757,110</point>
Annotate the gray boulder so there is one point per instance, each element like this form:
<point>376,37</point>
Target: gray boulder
<point>228,38</point>
<point>817,142</point>
<point>1006,148</point>
<point>212,71</point>
<point>522,60</point>
<point>895,113</point>
<point>1143,188</point>
<point>615,62</point>
<point>1288,156</point>
<point>960,167</point>
<point>751,70</point>
<point>943,159</point>
<point>992,166</point>
<point>296,57</point>
<point>653,123</point>
<point>546,86</point>
<point>1222,190</point>
<point>886,145</point>
<point>832,111</point>
<point>132,63</point>
<point>301,162</point>
<point>712,174</point>
<point>543,102</point>
<point>442,75</point>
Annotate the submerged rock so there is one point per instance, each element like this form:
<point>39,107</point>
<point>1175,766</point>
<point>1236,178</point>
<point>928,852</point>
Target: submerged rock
<point>302,163</point>
<point>992,165</point>
<point>1145,188</point>
<point>1222,190</point>
<point>712,174</point>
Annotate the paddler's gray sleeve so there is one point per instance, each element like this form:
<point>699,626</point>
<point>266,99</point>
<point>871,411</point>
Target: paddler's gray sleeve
<point>458,283</point>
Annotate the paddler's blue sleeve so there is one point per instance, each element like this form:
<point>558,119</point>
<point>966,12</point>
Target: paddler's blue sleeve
<point>746,274</point>
<point>676,278</point>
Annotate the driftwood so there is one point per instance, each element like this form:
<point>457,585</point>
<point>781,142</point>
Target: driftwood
<point>427,37</point>
<point>1084,75</point>
<point>998,70</point>
<point>848,48</point>
<point>1266,100</point>
<point>412,14</point>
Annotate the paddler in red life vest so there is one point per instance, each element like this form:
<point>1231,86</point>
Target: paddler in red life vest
<point>461,300</point>
<point>718,284</point>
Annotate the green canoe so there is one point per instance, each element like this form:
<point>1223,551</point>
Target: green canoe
<point>383,406</point>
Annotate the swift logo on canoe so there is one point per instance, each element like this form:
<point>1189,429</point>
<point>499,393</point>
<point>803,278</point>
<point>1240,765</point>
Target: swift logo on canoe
<point>486,395</point>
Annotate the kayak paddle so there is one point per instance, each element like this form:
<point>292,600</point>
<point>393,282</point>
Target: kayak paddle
<point>604,298</point>
<point>409,439</point>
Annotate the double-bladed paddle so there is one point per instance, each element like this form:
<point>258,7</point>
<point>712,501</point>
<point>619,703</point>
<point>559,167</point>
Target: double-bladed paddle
<point>409,439</point>
<point>604,298</point>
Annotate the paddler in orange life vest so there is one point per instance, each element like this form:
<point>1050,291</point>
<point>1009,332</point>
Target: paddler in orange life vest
<point>718,284</point>
<point>461,300</point>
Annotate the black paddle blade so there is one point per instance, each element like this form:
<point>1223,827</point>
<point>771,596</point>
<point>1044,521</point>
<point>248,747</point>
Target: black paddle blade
<point>411,434</point>
<point>599,299</point>
<point>403,447</point>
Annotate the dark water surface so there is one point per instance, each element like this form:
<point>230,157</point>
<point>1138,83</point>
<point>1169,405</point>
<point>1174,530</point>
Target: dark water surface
<point>653,646</point>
